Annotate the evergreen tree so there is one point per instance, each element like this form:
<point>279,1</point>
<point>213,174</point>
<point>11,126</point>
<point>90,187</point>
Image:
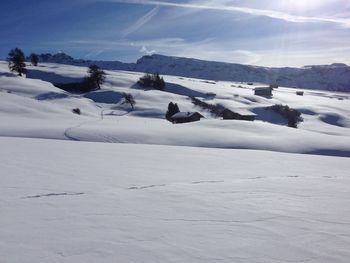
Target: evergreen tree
<point>16,60</point>
<point>152,81</point>
<point>34,59</point>
<point>176,108</point>
<point>146,81</point>
<point>96,77</point>
<point>172,109</point>
<point>158,82</point>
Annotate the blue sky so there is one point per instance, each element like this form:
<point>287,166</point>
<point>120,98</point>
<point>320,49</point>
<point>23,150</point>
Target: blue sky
<point>264,32</point>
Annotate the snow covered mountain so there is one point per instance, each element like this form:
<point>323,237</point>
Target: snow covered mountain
<point>327,77</point>
<point>334,77</point>
<point>63,58</point>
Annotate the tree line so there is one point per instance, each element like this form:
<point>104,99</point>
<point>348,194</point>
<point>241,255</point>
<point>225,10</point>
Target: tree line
<point>96,77</point>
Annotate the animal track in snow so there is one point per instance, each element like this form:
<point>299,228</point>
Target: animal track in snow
<point>146,186</point>
<point>207,182</point>
<point>52,194</point>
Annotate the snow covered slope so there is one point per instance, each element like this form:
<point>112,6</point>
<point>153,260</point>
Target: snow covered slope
<point>121,185</point>
<point>78,202</point>
<point>36,108</point>
<point>334,77</point>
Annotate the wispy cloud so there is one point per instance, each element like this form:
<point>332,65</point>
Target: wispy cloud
<point>344,22</point>
<point>158,42</point>
<point>141,21</point>
<point>94,53</point>
<point>126,32</point>
<point>204,49</point>
<point>147,51</point>
<point>209,49</point>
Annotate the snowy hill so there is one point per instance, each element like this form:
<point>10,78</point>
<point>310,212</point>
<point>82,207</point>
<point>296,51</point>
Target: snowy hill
<point>29,106</point>
<point>334,77</point>
<point>120,185</point>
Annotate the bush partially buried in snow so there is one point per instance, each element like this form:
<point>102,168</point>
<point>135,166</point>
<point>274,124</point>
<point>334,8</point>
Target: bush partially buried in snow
<point>293,116</point>
<point>76,111</point>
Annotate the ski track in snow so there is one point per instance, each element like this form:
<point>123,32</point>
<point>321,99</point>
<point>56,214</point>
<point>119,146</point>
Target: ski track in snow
<point>107,138</point>
<point>70,129</point>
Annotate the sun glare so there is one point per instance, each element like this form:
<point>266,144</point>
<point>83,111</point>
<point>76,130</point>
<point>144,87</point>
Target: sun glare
<point>304,5</point>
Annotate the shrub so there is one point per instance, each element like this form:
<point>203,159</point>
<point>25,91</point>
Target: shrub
<point>152,81</point>
<point>129,98</point>
<point>293,116</point>
<point>16,60</point>
<point>172,109</point>
<point>210,95</point>
<point>209,82</point>
<point>76,111</point>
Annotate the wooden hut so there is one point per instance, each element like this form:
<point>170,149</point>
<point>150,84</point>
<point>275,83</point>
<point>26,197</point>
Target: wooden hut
<point>263,91</point>
<point>183,117</point>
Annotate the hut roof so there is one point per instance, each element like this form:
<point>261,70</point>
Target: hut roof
<point>181,115</point>
<point>262,88</point>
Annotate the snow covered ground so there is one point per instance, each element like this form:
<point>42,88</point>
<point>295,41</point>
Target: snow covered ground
<point>33,107</point>
<point>115,185</point>
<point>65,201</point>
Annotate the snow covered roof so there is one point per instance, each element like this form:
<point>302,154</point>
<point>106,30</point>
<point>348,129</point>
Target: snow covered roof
<point>262,88</point>
<point>181,115</point>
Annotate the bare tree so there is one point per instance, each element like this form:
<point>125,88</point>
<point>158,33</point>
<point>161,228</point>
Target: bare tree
<point>129,98</point>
